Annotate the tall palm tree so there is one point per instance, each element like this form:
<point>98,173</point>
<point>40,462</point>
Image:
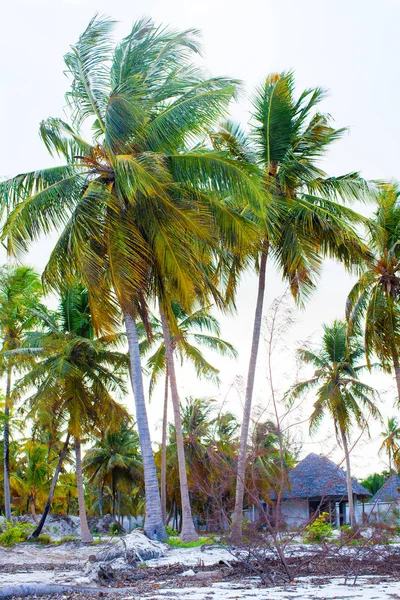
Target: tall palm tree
<point>133,198</point>
<point>75,378</point>
<point>196,328</point>
<point>340,393</point>
<point>391,440</point>
<point>20,295</point>
<point>373,305</point>
<point>306,221</point>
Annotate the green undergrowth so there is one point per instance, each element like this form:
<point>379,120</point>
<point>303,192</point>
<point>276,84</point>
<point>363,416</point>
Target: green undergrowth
<point>14,533</point>
<point>177,543</point>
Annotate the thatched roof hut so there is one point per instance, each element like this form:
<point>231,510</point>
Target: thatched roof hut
<point>389,492</point>
<point>318,477</point>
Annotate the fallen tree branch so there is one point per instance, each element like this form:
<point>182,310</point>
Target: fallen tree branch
<point>44,589</point>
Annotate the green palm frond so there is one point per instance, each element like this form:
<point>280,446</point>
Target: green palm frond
<point>87,64</point>
<point>339,392</point>
<point>273,114</point>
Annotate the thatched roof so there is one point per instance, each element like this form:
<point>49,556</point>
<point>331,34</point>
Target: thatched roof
<point>318,477</point>
<point>389,492</point>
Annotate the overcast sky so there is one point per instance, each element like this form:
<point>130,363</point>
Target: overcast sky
<point>350,48</point>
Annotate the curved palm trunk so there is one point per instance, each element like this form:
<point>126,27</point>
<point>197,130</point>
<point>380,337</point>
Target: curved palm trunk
<point>349,482</point>
<point>164,453</point>
<point>86,536</point>
<point>153,525</point>
<point>188,531</point>
<point>396,367</point>
<point>241,465</point>
<point>6,440</point>
<point>46,511</point>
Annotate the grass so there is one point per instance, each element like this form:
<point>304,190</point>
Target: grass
<point>175,542</point>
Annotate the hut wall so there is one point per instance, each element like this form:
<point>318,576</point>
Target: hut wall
<point>295,512</point>
<point>377,511</point>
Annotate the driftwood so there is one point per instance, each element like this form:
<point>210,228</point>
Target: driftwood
<point>44,589</point>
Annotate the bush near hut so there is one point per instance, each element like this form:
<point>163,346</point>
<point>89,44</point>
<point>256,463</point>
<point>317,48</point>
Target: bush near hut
<point>320,530</point>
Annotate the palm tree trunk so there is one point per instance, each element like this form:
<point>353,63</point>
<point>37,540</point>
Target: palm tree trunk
<point>396,367</point>
<point>100,499</point>
<point>164,453</point>
<point>113,495</point>
<point>33,511</point>
<point>86,536</point>
<point>241,465</point>
<point>46,511</point>
<point>349,481</point>
<point>153,525</point>
<point>188,532</point>
<point>171,512</point>
<point>6,440</point>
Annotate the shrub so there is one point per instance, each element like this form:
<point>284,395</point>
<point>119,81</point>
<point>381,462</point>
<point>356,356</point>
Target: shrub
<point>320,530</point>
<point>382,533</point>
<point>176,542</point>
<point>171,532</point>
<point>14,533</point>
<point>67,538</point>
<point>348,537</point>
<point>116,528</point>
<point>44,539</point>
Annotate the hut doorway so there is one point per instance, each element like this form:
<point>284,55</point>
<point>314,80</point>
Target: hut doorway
<point>316,507</point>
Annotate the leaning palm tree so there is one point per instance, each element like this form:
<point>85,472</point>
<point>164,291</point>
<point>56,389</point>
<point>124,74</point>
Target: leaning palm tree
<point>134,196</point>
<point>20,295</point>
<point>373,305</point>
<point>340,393</point>
<point>196,328</point>
<point>74,378</point>
<point>391,440</point>
<point>307,220</point>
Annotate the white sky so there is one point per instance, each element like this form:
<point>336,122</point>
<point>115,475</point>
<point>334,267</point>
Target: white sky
<point>350,48</point>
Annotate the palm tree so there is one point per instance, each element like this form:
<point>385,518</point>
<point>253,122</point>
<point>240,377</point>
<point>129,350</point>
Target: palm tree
<point>340,393</point>
<point>373,303</point>
<point>305,221</point>
<point>31,481</point>
<point>75,379</point>
<point>197,328</point>
<point>20,294</point>
<point>391,440</point>
<point>61,459</point>
<point>210,441</point>
<point>374,482</point>
<point>133,202</point>
<point>115,460</point>
<point>66,493</point>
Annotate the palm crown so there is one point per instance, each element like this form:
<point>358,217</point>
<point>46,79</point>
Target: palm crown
<point>305,220</point>
<point>145,102</point>
<point>373,303</point>
<point>340,393</point>
<point>77,374</point>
